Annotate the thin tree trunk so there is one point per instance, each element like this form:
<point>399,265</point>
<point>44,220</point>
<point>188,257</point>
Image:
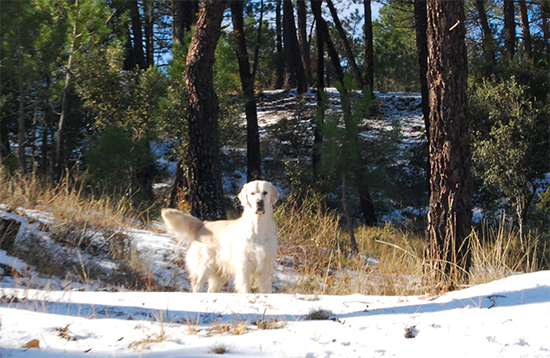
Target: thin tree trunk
<point>184,17</point>
<point>205,184</point>
<point>367,205</point>
<point>253,158</point>
<point>450,211</point>
<point>369,46</point>
<point>524,21</point>
<point>347,215</point>
<point>347,48</point>
<point>302,38</point>
<point>488,41</point>
<point>258,41</point>
<point>60,155</point>
<point>421,28</point>
<point>21,111</point>
<point>177,186</point>
<point>137,47</point>
<point>509,29</point>
<point>280,59</point>
<point>320,113</point>
<point>148,9</point>
<point>295,67</point>
<point>545,14</point>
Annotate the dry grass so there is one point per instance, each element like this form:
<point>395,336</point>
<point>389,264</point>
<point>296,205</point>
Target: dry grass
<point>313,248</point>
<point>80,221</point>
<point>315,251</point>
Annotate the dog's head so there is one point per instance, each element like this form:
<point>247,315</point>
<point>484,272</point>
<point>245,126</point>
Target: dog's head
<point>258,195</point>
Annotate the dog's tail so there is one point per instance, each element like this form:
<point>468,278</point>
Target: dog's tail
<point>182,227</point>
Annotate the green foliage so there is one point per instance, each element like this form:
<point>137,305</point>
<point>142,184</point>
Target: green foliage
<point>122,98</point>
<point>510,141</point>
<point>395,59</point>
<point>116,159</point>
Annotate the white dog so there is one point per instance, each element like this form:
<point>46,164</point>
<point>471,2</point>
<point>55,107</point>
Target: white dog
<point>241,248</point>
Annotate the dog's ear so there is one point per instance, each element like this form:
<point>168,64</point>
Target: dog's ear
<point>243,198</point>
<point>274,194</point>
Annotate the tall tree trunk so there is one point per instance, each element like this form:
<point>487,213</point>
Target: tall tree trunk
<point>369,46</point>
<point>137,48</point>
<point>320,113</point>
<point>295,67</point>
<point>185,15</point>
<point>258,40</point>
<point>347,48</point>
<point>4,142</point>
<point>526,33</point>
<point>509,29</point>
<point>365,198</point>
<point>148,8</point>
<point>60,153</point>
<point>21,110</point>
<point>421,28</point>
<point>280,59</point>
<point>253,159</point>
<point>450,211</point>
<point>545,14</point>
<point>205,184</point>
<point>488,41</point>
<point>302,38</point>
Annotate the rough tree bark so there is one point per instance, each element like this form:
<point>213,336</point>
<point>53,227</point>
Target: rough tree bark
<point>450,211</point>
<point>253,159</point>
<point>204,175</point>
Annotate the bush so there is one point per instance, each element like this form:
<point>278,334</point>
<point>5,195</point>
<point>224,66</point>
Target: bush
<point>510,143</point>
<point>118,161</point>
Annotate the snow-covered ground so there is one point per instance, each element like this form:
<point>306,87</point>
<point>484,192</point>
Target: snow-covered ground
<point>506,318</point>
<point>52,317</point>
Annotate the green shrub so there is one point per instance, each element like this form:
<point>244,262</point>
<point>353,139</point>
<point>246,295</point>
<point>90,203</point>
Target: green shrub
<point>118,161</point>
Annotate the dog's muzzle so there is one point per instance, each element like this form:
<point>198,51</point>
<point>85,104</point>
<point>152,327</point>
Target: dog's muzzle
<point>260,207</point>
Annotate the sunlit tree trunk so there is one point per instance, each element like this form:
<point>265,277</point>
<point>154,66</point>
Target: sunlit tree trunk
<point>450,210</point>
<point>204,175</point>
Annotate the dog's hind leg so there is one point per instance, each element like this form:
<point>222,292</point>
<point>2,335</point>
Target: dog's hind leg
<point>198,280</point>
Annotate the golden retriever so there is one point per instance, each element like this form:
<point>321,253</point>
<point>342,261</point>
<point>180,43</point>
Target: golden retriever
<point>243,249</point>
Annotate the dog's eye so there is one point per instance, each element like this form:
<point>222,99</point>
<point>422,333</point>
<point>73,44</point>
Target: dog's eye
<point>264,193</point>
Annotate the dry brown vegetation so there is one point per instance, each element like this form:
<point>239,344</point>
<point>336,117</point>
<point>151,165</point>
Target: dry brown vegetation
<point>313,251</point>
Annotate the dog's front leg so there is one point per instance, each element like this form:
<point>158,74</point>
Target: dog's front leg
<point>242,281</point>
<point>265,278</point>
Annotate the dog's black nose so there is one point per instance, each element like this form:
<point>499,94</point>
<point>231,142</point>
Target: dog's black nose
<point>260,207</point>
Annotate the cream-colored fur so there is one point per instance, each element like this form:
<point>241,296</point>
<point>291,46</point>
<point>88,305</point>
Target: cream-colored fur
<point>242,248</point>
